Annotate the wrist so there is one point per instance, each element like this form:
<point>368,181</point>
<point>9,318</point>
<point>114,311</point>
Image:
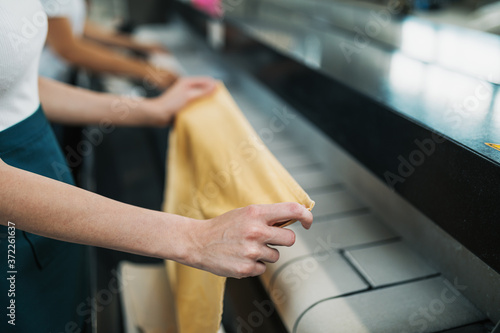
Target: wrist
<point>189,249</point>
<point>175,239</point>
<point>155,113</point>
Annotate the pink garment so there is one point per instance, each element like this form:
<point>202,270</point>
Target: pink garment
<point>211,7</point>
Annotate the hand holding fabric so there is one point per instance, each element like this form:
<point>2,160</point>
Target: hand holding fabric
<point>235,244</point>
<point>185,90</point>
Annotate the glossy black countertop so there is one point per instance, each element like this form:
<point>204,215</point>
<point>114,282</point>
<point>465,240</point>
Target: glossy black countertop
<point>441,76</point>
<point>415,103</point>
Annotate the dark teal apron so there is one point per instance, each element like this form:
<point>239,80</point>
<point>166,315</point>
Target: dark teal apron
<point>51,284</point>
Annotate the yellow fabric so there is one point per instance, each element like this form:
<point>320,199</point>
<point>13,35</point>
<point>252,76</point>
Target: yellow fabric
<point>217,163</point>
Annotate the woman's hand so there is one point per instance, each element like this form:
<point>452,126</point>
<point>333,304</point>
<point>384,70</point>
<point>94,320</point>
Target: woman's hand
<point>163,109</point>
<point>235,244</point>
<point>158,78</point>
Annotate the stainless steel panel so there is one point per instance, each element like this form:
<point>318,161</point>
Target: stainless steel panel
<point>315,178</point>
<point>389,263</point>
<point>430,305</point>
<point>305,282</point>
<point>336,202</point>
<point>296,159</point>
<point>279,144</point>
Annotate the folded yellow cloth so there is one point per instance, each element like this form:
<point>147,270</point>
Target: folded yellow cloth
<point>216,163</point>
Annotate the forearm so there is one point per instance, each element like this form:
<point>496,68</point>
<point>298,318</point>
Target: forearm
<point>53,209</point>
<point>91,56</point>
<point>98,34</point>
<point>70,105</point>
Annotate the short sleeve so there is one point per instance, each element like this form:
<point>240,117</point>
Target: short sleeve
<point>57,8</point>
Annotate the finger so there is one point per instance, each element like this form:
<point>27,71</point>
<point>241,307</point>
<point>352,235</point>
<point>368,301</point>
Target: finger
<point>259,269</point>
<point>253,268</point>
<point>269,255</point>
<point>276,213</point>
<point>281,237</point>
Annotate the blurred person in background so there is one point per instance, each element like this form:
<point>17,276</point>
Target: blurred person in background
<point>73,41</point>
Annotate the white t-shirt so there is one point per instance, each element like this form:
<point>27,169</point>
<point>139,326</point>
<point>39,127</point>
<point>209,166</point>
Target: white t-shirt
<point>23,29</point>
<point>51,64</point>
